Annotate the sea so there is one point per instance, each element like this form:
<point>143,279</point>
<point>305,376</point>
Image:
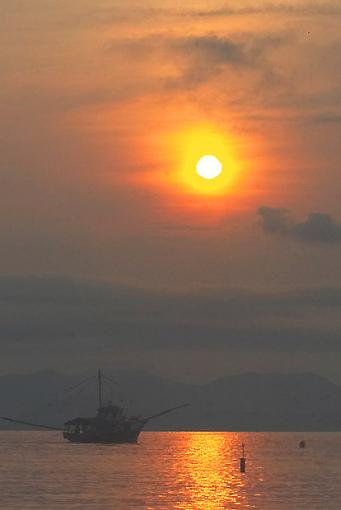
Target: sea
<point>171,470</point>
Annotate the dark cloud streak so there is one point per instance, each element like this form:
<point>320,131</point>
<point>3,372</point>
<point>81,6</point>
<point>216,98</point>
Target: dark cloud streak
<point>89,316</point>
<point>315,9</point>
<point>317,228</point>
<point>106,16</point>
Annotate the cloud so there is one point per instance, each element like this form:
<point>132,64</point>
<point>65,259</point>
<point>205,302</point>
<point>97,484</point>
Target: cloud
<point>119,16</point>
<point>192,60</point>
<point>327,118</point>
<point>57,317</point>
<point>221,49</point>
<point>275,220</point>
<point>317,228</point>
<point>312,9</point>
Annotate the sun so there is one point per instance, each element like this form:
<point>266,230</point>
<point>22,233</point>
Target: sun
<point>209,167</point>
<point>202,160</point>
<point>208,164</point>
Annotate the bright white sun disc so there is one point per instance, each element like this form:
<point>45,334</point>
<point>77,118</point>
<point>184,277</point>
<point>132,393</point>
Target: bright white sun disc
<point>209,167</point>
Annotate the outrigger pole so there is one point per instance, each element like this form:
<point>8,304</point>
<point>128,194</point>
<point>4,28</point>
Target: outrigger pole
<point>12,420</point>
<point>165,412</point>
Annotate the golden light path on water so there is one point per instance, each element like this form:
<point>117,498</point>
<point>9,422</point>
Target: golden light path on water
<point>211,468</point>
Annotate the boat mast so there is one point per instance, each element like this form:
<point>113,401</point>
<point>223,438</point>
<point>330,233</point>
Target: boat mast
<point>100,388</point>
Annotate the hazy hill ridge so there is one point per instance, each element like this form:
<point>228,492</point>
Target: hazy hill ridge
<point>244,402</point>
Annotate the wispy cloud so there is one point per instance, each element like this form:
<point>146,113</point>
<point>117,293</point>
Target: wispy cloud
<point>308,8</point>
<point>327,118</point>
<point>141,14</point>
<point>196,59</point>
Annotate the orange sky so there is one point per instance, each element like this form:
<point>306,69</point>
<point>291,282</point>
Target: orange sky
<point>105,109</point>
<point>121,97</point>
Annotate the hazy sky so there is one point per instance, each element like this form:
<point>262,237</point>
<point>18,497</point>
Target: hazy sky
<point>112,251</point>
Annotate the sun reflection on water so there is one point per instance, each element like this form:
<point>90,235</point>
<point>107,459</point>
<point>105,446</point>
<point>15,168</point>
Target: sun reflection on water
<point>208,472</point>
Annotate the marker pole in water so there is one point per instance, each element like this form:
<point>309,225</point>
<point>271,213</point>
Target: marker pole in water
<point>243,460</point>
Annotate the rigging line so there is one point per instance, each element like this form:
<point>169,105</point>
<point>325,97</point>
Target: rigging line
<point>110,380</point>
<point>78,394</point>
<point>113,384</point>
<point>29,423</point>
<point>74,386</point>
<point>59,397</point>
<point>69,396</point>
<point>115,387</point>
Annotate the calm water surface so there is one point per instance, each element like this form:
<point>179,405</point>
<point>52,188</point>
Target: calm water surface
<point>175,470</point>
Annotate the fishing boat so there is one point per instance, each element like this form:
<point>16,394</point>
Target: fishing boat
<point>110,425</point>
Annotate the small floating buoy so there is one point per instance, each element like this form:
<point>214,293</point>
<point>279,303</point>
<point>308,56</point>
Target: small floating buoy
<point>243,460</point>
<point>301,444</point>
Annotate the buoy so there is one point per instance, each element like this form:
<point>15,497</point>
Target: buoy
<point>243,460</point>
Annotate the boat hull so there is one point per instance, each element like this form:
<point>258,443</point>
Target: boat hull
<point>109,438</point>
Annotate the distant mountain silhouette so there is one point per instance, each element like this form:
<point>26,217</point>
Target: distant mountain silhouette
<point>247,402</point>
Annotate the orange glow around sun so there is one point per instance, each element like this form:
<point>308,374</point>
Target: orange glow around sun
<point>206,162</point>
<point>200,172</point>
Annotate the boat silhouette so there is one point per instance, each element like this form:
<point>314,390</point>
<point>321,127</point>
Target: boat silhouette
<point>110,425</point>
